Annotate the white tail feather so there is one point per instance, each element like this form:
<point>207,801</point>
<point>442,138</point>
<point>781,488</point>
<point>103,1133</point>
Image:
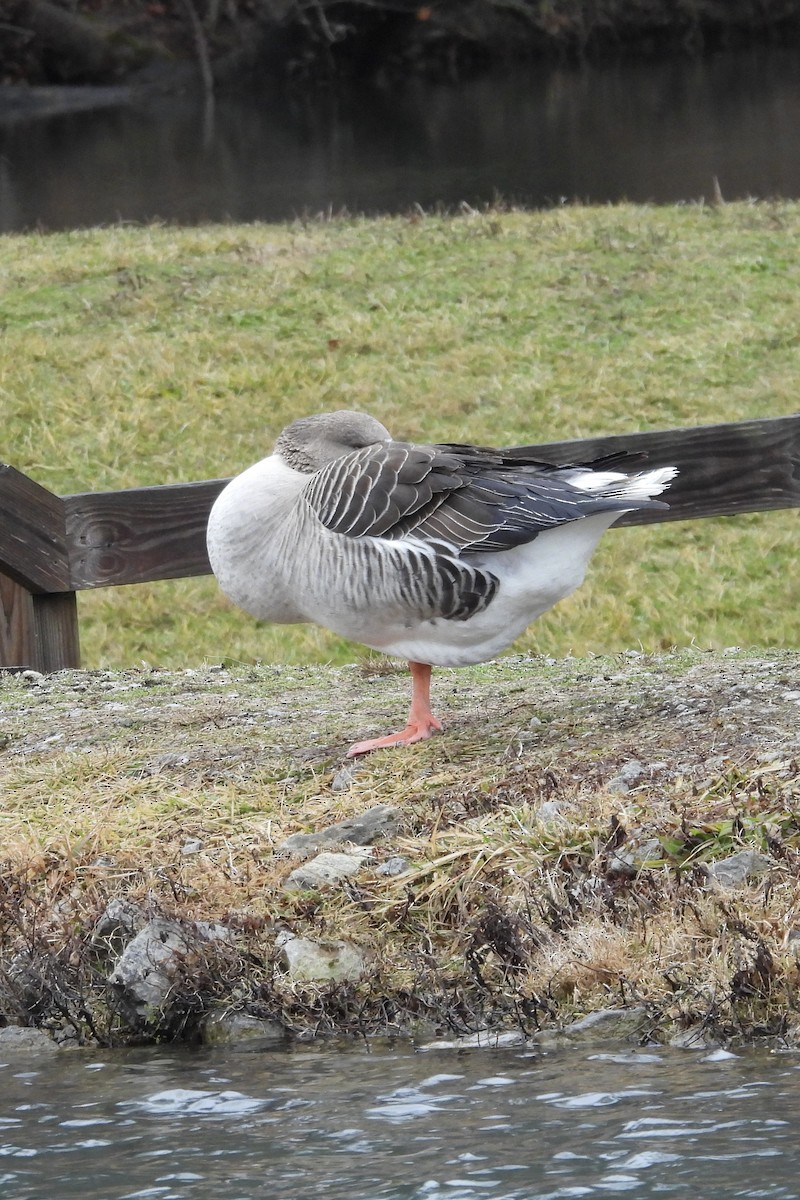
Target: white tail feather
<point>641,486</point>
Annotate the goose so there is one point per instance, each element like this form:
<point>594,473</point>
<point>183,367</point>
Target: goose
<point>439,554</point>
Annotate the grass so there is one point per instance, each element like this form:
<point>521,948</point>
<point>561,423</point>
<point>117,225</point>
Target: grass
<point>155,355</point>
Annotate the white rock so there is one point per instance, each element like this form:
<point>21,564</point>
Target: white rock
<point>320,962</point>
<point>327,869</point>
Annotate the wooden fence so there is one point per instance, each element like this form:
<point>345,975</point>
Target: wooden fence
<point>52,546</point>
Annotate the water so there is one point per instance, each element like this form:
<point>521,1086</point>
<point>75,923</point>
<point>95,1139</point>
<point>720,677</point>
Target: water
<point>483,1125</point>
<point>639,131</point>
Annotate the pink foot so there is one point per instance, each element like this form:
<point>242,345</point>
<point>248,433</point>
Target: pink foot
<point>415,731</point>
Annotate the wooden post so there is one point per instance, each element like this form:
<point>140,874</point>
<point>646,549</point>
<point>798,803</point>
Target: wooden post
<point>37,630</point>
<point>38,607</point>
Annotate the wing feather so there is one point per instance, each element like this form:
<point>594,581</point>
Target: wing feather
<point>456,497</point>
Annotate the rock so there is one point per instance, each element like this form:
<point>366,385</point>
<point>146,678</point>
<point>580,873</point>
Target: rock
<point>14,1039</point>
<point>628,773</point>
<point>191,846</point>
<point>320,962</point>
<point>792,1036</point>
<point>213,931</point>
<point>225,1027</point>
<point>23,976</point>
<point>693,1038</point>
<point>550,812</point>
<point>148,967</point>
<point>736,870</point>
<point>327,869</point>
<point>396,865</point>
<point>118,924</point>
<point>484,1039</point>
<point>363,830</point>
<point>630,860</point>
<point>608,1024</point>
<point>343,779</point>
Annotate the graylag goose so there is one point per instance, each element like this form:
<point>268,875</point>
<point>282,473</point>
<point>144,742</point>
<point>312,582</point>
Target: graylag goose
<point>441,554</point>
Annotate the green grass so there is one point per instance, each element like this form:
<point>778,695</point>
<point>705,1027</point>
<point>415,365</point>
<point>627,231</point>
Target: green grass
<point>155,355</point>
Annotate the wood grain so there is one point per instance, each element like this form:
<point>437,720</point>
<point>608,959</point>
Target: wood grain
<point>139,534</point>
<point>37,630</point>
<point>33,548</point>
<point>17,641</point>
<point>56,633</point>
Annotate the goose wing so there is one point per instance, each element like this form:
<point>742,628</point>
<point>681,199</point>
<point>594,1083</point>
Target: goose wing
<point>458,498</point>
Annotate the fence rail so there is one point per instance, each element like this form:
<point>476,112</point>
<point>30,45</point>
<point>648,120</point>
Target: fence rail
<point>53,546</point>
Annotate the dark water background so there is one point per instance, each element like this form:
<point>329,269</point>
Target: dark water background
<point>652,131</point>
<point>395,1125</point>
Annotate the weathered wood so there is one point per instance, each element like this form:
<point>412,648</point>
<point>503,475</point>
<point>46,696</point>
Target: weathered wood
<point>33,548</point>
<point>57,639</point>
<point>17,640</point>
<point>38,631</point>
<point>139,534</point>
<point>750,466</point>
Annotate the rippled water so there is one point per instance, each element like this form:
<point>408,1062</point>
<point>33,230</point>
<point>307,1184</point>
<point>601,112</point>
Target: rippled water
<point>506,1125</point>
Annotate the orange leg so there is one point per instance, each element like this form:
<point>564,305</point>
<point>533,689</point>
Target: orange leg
<point>421,721</point>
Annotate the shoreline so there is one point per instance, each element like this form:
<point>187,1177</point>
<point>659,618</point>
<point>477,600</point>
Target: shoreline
<point>621,837</point>
<point>155,49</point>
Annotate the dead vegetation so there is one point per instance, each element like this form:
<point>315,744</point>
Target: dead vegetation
<point>562,859</point>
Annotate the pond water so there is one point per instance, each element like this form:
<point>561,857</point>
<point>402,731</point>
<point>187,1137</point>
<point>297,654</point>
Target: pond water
<point>398,1125</point>
<point>653,131</point>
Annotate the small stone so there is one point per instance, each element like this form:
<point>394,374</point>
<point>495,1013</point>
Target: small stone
<point>396,865</point>
<point>327,869</point>
<point>191,846</point>
<point>118,924</point>
<point>734,871</point>
<point>628,773</point>
<point>343,779</point>
<point>620,1024</point>
<point>380,821</point>
<point>321,962</point>
<point>34,678</point>
<point>693,1038</point>
<point>16,1039</point>
<point>224,1028</point>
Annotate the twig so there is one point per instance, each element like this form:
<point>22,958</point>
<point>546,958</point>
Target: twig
<point>201,45</point>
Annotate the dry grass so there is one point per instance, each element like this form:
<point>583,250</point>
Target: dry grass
<point>514,909</point>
